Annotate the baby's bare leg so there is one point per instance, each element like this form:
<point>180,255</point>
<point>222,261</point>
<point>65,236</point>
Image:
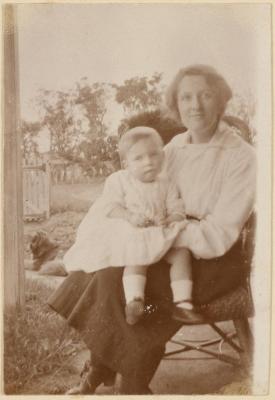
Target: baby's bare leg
<point>134,281</point>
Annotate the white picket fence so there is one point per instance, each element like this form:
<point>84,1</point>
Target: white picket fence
<point>63,172</point>
<point>36,189</point>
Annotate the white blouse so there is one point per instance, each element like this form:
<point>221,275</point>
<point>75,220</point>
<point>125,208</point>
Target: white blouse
<point>217,181</point>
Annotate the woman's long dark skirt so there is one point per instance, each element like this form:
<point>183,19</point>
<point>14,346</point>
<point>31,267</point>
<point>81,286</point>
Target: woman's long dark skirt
<point>94,305</point>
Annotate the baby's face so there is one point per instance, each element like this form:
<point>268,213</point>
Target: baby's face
<point>144,160</point>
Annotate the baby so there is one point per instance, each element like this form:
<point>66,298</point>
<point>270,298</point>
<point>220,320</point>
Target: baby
<point>134,224</point>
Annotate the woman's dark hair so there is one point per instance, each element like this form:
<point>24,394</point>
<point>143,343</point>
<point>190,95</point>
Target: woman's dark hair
<point>213,79</point>
<point>157,119</point>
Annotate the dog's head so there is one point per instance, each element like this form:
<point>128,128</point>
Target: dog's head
<point>41,244</point>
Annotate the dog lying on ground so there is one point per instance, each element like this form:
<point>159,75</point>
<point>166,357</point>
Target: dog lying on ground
<point>45,256</point>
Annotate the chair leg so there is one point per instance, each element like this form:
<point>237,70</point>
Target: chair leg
<point>246,342</point>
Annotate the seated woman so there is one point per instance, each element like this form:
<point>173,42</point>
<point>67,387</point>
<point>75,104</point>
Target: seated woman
<point>215,170</point>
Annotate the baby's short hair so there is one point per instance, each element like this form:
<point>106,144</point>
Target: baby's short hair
<point>132,136</point>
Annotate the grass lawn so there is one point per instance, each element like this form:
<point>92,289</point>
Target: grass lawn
<point>75,197</point>
<point>39,347</point>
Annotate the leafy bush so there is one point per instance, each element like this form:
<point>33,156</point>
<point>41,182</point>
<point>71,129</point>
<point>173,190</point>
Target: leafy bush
<point>37,341</point>
<point>157,119</point>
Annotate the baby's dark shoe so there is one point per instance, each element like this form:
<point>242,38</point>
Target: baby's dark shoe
<point>188,316</point>
<point>134,310</point>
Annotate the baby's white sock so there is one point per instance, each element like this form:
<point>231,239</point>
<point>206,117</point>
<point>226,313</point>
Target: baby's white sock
<point>134,286</point>
<point>182,293</point>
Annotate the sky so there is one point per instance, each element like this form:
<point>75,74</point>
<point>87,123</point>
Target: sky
<point>61,43</point>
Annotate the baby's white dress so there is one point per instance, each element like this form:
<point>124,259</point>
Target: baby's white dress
<point>102,241</point>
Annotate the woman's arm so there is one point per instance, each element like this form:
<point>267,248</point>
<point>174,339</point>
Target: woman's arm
<point>217,232</point>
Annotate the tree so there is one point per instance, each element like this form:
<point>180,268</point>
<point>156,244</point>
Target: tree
<point>94,154</point>
<point>57,116</point>
<point>139,93</point>
<point>73,116</point>
<point>244,108</point>
<point>93,101</point>
<point>29,131</point>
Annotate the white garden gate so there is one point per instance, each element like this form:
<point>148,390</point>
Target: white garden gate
<point>36,189</point>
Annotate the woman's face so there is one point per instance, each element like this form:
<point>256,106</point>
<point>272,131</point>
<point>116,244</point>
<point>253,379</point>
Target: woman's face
<point>197,104</point>
<point>144,160</point>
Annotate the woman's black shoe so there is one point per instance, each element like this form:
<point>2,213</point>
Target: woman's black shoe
<point>88,386</point>
<point>127,387</point>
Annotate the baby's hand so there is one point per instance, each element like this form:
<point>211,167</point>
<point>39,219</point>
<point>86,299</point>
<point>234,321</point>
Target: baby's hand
<point>160,220</point>
<point>137,219</point>
<point>174,218</point>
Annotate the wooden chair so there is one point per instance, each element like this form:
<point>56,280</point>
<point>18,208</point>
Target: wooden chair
<point>236,306</point>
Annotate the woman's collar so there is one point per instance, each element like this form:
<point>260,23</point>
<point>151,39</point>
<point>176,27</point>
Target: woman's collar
<point>224,136</point>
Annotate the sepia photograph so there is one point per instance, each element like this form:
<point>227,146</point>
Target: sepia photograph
<point>136,198</point>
